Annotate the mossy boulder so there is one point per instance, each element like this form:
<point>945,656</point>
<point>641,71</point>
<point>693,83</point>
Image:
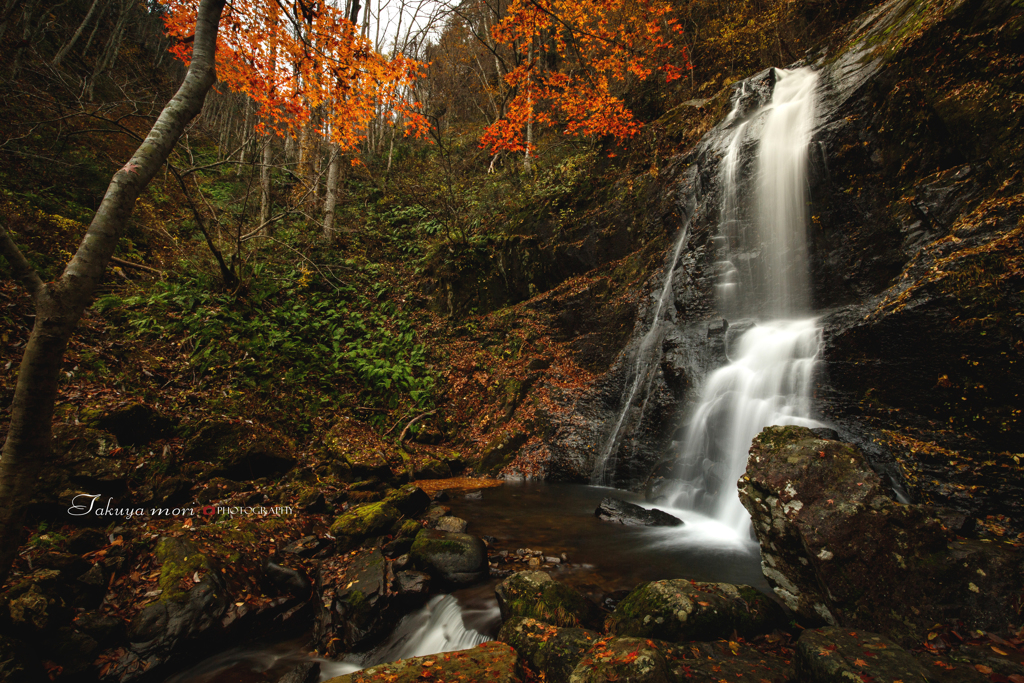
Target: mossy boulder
<point>179,561</point>
<point>551,650</point>
<point>501,450</point>
<point>35,606</point>
<point>363,522</point>
<point>536,595</point>
<point>85,461</point>
<point>679,610</point>
<point>838,655</point>
<point>431,468</point>
<point>636,660</point>
<point>187,613</point>
<point>838,550</point>
<point>240,451</point>
<point>356,610</point>
<point>450,557</point>
<point>410,500</point>
<point>492,662</point>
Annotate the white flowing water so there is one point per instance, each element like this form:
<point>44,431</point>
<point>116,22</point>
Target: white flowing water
<point>769,376</point>
<point>767,382</point>
<point>439,626</point>
<point>442,625</point>
<point>782,192</point>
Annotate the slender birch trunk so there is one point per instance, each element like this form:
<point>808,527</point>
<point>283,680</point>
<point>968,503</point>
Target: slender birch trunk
<point>333,173</point>
<point>268,158</point>
<point>60,304</point>
<point>68,46</point>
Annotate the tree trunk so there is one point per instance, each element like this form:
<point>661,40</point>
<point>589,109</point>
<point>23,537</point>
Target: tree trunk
<point>527,161</point>
<point>247,126</point>
<point>78,34</point>
<point>332,192</point>
<point>268,158</point>
<point>92,34</point>
<point>109,55</point>
<point>60,304</point>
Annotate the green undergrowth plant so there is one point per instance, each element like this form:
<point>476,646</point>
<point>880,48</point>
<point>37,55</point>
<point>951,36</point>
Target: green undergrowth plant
<point>295,329</point>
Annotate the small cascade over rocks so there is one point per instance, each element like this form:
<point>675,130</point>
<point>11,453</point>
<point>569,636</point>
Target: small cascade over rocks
<point>641,374</point>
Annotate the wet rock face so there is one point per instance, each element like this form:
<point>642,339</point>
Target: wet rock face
<point>679,610</point>
<point>622,512</point>
<point>356,610</point>
<point>838,550</point>
<point>835,655</point>
<point>917,235</point>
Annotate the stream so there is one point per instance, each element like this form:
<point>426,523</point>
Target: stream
<point>555,518</point>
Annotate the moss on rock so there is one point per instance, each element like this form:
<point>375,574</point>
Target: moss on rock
<point>679,610</point>
<point>536,595</point>
<point>492,662</point>
<point>451,557</point>
<point>636,660</point>
<point>179,560</point>
<point>550,650</point>
<point>362,522</point>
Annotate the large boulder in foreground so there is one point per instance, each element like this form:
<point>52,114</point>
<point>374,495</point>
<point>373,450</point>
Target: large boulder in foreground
<point>839,551</point>
<point>536,595</point>
<point>636,660</point>
<point>450,557</point>
<point>551,650</point>
<point>355,599</point>
<point>492,662</point>
<point>680,610</point>
<point>835,655</point>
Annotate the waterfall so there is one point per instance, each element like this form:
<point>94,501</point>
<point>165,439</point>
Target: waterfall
<point>762,269</point>
<point>782,192</point>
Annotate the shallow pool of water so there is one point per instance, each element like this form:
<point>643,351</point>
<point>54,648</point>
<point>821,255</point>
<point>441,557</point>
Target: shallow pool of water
<point>559,518</point>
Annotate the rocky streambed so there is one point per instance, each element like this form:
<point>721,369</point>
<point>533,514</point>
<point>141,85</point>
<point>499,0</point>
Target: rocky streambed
<point>855,584</point>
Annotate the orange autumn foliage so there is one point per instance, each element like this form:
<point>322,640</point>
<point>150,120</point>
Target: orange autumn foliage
<point>304,63</point>
<point>599,45</point>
